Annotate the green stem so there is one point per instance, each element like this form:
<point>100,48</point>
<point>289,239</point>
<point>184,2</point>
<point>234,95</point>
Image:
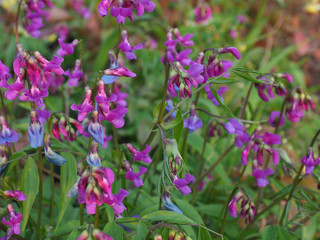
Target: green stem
<point>40,192</point>
<point>245,103</point>
<point>164,92</point>
<point>81,214</point>
<point>52,195</point>
<point>17,22</point>
<point>96,217</point>
<point>229,199</point>
<point>3,106</point>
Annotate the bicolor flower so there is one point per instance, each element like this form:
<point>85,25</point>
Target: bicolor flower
<point>85,107</point>
<point>126,47</point>
<point>120,72</point>
<point>169,205</point>
<point>193,122</point>
<point>309,161</point>
<point>93,158</point>
<point>20,196</point>
<point>7,135</point>
<point>95,129</point>
<point>35,131</point>
<point>108,79</point>
<point>140,155</point>
<point>99,235</point>
<point>52,156</point>
<point>53,66</point>
<point>14,220</point>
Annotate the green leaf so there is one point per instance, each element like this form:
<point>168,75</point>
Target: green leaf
<point>73,235</point>
<point>14,159</point>
<point>178,119</point>
<point>156,111</point>
<point>142,231</point>
<point>189,210</point>
<point>248,77</point>
<point>169,217</point>
<point>30,187</point>
<point>269,233</point>
<point>67,180</point>
<point>177,130</point>
<point>114,230</point>
<point>225,108</point>
<point>203,234</point>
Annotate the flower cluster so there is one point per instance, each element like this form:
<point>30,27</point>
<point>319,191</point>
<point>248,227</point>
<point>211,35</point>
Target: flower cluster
<point>122,9</point>
<point>94,188</point>
<point>35,13</point>
<point>248,209</point>
<point>66,126</point>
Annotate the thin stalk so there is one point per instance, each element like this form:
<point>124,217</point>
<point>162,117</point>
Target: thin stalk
<point>245,103</point>
<point>96,217</point>
<point>81,214</point>
<point>40,192</point>
<point>17,22</point>
<point>150,137</point>
<point>52,195</point>
<point>3,105</point>
<point>164,92</point>
<point>229,199</point>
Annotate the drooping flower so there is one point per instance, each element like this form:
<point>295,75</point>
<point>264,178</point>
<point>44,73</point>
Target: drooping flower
<point>193,122</point>
<point>35,95</point>
<point>119,71</point>
<point>182,184</point>
<point>35,131</point>
<point>232,206</point>
<point>76,75</point>
<point>4,72</point>
<point>309,161</point>
<point>135,177</point>
<point>66,48</point>
<point>169,205</point>
<point>260,174</point>
<point>95,128</point>
<point>14,220</point>
<point>20,196</point>
<point>140,155</point>
<point>235,127</point>
<point>274,119</point>
<point>85,107</point>
<point>234,51</point>
<point>52,156</point>
<point>7,135</point>
<point>126,47</point>
<point>93,158</point>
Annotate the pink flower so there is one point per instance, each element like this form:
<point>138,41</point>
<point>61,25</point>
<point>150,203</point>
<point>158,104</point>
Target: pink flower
<point>76,75</point>
<point>20,196</point>
<point>14,220</point>
<point>182,184</point>
<point>53,66</point>
<point>126,47</point>
<point>140,155</point>
<point>202,14</point>
<point>66,48</point>
<point>85,107</point>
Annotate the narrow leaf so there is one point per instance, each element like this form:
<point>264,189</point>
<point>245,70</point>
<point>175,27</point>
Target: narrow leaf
<point>169,217</point>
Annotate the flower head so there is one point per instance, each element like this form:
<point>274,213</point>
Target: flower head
<point>66,48</point>
<point>182,184</point>
<point>193,122</point>
<point>93,158</point>
<point>76,75</point>
<point>14,220</point>
<point>309,161</point>
<point>20,196</point>
<point>140,155</point>
<point>85,107</point>
<point>126,47</point>
<point>35,131</point>
<point>52,156</point>
<point>7,135</point>
<point>135,177</point>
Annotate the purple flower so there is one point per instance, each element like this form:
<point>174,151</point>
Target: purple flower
<point>135,177</point>
<point>52,156</point>
<point>85,107</point>
<point>286,76</point>
<point>232,206</point>
<point>14,220</point>
<point>185,40</point>
<point>274,119</point>
<point>235,127</point>
<point>121,14</point>
<point>193,122</point>
<point>235,52</point>
<point>43,114</point>
<point>76,75</point>
<point>261,175</point>
<point>202,14</point>
<point>271,139</point>
<point>120,72</point>
<point>66,48</point>
<point>103,7</point>
<point>211,97</point>
<point>14,89</point>
<point>233,33</point>
<point>309,161</point>
<point>108,79</point>
<point>126,47</point>
<point>20,196</point>
<point>7,135</point>
<point>83,236</point>
<point>95,128</point>
<point>4,72</point>
<point>182,184</point>
<point>53,66</point>
<point>242,19</point>
<point>35,131</point>
<point>79,7</point>
<point>140,155</point>
<point>93,158</point>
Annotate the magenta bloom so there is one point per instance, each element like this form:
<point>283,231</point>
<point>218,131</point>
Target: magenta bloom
<point>126,47</point>
<point>235,52</point>
<point>136,177</point>
<point>66,48</point>
<point>185,40</point>
<point>53,66</point>
<point>242,19</point>
<point>140,155</point>
<point>261,176</point>
<point>121,13</point>
<point>193,122</point>
<point>7,135</point>
<point>79,7</point>
<point>14,220</point>
<point>182,184</point>
<point>76,75</point>
<point>233,204</point>
<point>35,95</point>
<point>120,72</point>
<point>309,161</point>
<point>202,14</point>
<point>211,97</point>
<point>274,118</point>
<point>85,107</point>
<point>235,127</point>
<point>20,196</point>
<point>43,114</point>
<point>4,72</point>
<point>13,90</point>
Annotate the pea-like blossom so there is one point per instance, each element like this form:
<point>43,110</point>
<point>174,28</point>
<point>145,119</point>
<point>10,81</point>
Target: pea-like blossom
<point>95,128</point>
<point>66,48</point>
<point>274,119</point>
<point>7,135</point>
<point>135,177</point>
<point>79,7</point>
<point>108,79</point>
<point>235,127</point>
<point>140,155</point>
<point>35,94</point>
<point>85,107</point>
<point>20,196</point>
<point>93,158</point>
<point>14,220</point>
<point>202,13</point>
<point>260,174</point>
<point>99,235</point>
<point>50,66</point>
<point>182,184</point>
<point>52,156</point>
<point>248,209</point>
<point>232,206</point>
<point>75,75</point>
<point>119,72</point>
<point>126,48</point>
<point>193,122</point>
<point>309,161</point>
<point>35,131</point>
<point>4,72</point>
<point>169,205</point>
